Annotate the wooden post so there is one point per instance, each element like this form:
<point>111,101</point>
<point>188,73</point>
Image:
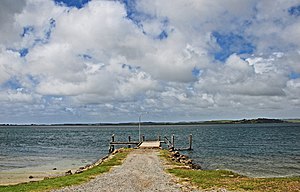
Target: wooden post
<point>143,137</point>
<point>129,139</point>
<point>112,147</point>
<point>191,141</point>
<point>113,138</point>
<point>173,141</point>
<point>158,137</point>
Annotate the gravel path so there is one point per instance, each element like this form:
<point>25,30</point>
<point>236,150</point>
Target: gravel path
<point>142,170</point>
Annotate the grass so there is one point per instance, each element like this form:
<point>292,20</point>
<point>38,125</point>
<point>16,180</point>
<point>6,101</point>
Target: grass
<point>292,120</point>
<point>76,179</point>
<point>216,179</point>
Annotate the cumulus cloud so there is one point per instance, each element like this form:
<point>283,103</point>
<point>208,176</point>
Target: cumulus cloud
<point>182,60</point>
<point>9,64</point>
<point>9,30</point>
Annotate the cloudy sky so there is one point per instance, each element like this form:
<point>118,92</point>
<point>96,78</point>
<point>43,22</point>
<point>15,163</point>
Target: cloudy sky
<point>179,60</point>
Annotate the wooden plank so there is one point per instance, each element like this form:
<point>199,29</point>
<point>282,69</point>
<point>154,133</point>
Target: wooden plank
<point>124,143</point>
<point>150,144</point>
<point>183,149</point>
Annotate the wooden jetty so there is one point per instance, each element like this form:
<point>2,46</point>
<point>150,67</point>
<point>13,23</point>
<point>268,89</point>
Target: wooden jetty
<point>149,144</point>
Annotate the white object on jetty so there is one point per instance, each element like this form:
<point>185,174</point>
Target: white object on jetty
<point>150,144</point>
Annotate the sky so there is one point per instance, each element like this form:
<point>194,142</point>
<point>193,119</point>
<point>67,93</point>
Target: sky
<point>71,61</point>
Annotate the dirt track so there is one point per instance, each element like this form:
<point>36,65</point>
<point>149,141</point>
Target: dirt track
<point>142,170</point>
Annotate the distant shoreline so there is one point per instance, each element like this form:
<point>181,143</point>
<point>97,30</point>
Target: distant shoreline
<point>242,121</point>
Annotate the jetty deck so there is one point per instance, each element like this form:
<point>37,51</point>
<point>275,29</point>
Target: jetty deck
<point>150,144</point>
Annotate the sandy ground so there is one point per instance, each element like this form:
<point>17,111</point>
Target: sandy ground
<point>142,170</point>
<point>21,175</point>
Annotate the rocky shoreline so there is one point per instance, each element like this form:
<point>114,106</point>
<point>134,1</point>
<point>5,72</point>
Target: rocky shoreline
<point>83,168</point>
<point>184,159</point>
<point>96,163</point>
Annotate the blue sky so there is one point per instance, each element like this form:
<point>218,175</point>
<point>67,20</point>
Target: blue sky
<point>108,61</point>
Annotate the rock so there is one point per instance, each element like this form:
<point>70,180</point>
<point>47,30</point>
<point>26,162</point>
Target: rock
<point>81,167</point>
<point>184,157</point>
<point>30,177</point>
<point>45,178</point>
<point>175,154</point>
<point>79,171</point>
<point>54,168</point>
<point>68,172</point>
<point>189,161</point>
<point>223,190</point>
<point>87,166</point>
<point>195,166</point>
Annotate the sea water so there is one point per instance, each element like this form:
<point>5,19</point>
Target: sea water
<point>255,150</point>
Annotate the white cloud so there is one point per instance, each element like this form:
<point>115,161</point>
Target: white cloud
<point>95,60</point>
<point>9,30</point>
<point>9,64</point>
<point>18,96</point>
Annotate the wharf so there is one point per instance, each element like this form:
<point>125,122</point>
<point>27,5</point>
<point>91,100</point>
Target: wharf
<point>154,144</point>
<point>150,144</point>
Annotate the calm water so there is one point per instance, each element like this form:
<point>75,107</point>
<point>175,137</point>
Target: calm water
<point>261,150</point>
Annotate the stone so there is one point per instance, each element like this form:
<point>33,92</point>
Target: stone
<point>79,171</point>
<point>68,172</point>
<point>184,157</point>
<point>87,166</point>
<point>176,154</point>
<point>30,177</point>
<point>54,168</point>
<point>195,166</point>
<point>189,161</point>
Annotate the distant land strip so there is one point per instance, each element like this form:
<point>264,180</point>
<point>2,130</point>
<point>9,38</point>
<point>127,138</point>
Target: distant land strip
<point>242,121</point>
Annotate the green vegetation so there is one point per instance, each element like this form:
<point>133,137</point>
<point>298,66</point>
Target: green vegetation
<point>246,121</point>
<point>293,120</point>
<point>242,121</point>
<point>215,179</point>
<point>76,179</point>
<point>212,179</point>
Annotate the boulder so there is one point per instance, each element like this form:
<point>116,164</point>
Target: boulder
<point>68,172</point>
<point>87,166</point>
<point>175,154</point>
<point>184,157</point>
<point>195,166</point>
<point>189,161</point>
<point>79,171</point>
